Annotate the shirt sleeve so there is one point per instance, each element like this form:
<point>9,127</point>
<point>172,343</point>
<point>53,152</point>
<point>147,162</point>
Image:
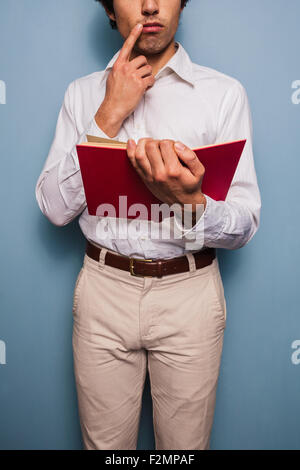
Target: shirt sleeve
<point>231,223</point>
<point>59,190</point>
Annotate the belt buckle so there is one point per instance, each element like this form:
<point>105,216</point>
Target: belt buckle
<point>131,267</point>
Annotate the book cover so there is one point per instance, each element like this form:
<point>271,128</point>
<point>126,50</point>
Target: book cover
<point>110,181</point>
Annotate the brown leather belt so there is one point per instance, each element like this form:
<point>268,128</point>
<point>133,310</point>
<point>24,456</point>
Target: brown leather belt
<point>152,268</point>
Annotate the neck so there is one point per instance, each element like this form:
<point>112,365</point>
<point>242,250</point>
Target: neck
<point>157,61</point>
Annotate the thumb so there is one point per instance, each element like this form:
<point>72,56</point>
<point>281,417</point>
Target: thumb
<point>189,157</point>
<point>131,146</point>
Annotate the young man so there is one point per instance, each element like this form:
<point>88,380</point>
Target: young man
<point>141,301</point>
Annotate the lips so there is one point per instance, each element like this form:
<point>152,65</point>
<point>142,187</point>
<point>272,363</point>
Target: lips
<point>152,27</point>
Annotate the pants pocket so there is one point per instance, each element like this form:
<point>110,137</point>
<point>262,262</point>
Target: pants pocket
<point>77,290</point>
<point>219,288</point>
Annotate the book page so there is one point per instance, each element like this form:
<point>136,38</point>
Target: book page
<point>101,140</point>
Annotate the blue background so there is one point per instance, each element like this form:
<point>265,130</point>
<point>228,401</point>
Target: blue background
<point>44,46</point>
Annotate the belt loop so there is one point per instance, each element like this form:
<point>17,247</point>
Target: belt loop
<point>102,255</point>
<point>159,269</point>
<point>191,260</point>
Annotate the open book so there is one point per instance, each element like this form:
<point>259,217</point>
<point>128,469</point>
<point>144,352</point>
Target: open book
<point>113,187</point>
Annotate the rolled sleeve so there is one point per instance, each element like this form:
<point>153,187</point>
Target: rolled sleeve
<point>231,223</point>
<point>59,190</point>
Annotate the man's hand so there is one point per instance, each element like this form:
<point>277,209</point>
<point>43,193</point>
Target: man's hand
<point>126,84</point>
<point>172,172</point>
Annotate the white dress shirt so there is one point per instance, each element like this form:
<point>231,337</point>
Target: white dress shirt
<point>191,103</point>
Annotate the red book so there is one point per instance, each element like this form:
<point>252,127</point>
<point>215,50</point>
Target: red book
<point>109,178</point>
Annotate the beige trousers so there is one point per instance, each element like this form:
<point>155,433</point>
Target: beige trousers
<point>122,325</point>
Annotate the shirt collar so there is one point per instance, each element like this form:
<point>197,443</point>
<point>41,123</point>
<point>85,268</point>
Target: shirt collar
<point>180,63</point>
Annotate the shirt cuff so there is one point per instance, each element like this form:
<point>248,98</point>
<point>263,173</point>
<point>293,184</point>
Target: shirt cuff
<point>95,130</point>
<point>209,225</point>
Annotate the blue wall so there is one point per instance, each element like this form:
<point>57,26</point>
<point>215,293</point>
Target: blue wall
<point>44,46</point>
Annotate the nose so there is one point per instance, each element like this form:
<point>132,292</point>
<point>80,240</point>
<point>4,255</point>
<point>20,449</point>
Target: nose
<point>150,7</point>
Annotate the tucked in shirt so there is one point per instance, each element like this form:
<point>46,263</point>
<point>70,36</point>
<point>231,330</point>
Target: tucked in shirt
<point>194,104</point>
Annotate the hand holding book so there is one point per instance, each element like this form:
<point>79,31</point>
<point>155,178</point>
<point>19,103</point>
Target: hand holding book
<point>108,175</point>
<point>159,164</point>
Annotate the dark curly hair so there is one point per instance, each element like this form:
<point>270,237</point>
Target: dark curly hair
<point>109,5</point>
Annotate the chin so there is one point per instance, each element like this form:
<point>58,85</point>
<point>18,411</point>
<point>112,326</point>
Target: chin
<point>152,46</point>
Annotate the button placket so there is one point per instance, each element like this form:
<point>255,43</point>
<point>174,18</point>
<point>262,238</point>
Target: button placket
<point>139,117</point>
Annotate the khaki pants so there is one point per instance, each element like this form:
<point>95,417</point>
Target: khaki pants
<point>123,324</point>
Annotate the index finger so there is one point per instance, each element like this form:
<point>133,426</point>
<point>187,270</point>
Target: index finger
<point>130,42</point>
